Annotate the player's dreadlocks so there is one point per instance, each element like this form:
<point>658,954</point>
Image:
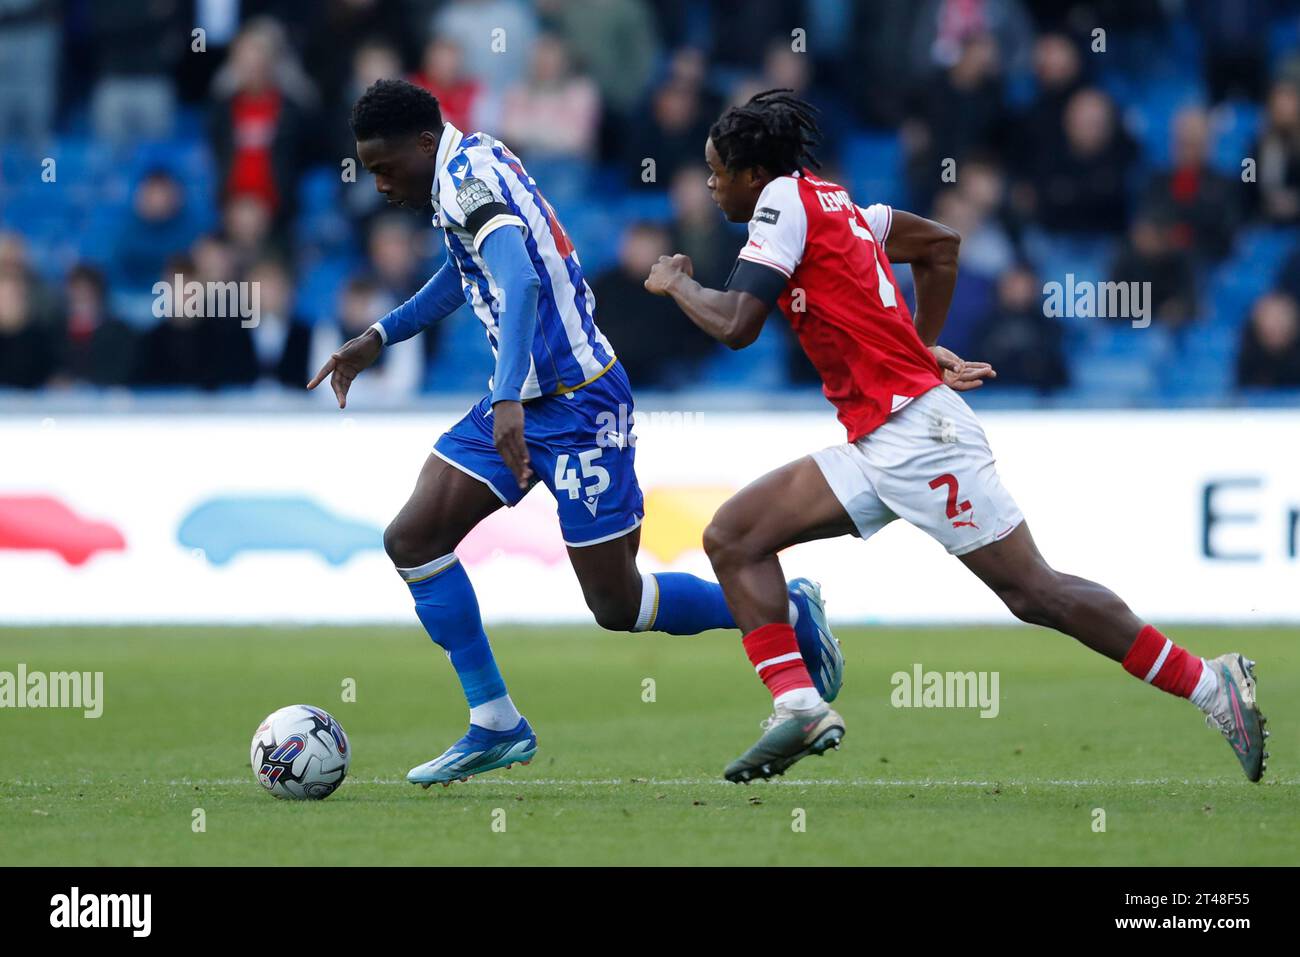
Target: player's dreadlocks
<point>775,130</point>
<point>395,108</point>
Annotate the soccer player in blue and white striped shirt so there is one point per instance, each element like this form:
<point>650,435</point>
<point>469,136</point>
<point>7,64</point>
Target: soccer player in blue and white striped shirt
<point>557,387</point>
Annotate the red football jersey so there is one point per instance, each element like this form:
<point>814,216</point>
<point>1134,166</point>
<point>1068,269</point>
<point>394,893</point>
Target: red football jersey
<point>841,298</point>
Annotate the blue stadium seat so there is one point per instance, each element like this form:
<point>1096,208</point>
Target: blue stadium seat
<point>873,165</point>
<point>760,366</point>
<point>646,206</point>
<point>1149,114</point>
<point>1283,38</point>
<point>1235,129</point>
<point>318,289</point>
<point>463,361</point>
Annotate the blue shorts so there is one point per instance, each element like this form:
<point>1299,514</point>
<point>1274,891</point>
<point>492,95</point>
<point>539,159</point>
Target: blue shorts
<point>579,447</point>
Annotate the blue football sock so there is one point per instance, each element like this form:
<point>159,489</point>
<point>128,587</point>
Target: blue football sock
<point>448,609</point>
<point>681,604</point>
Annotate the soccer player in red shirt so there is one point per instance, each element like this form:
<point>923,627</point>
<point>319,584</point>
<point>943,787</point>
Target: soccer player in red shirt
<point>915,450</point>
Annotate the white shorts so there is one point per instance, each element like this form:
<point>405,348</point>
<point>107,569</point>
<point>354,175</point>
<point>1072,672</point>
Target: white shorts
<point>930,465</point>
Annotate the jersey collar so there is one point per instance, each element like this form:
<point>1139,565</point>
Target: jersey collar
<point>447,144</point>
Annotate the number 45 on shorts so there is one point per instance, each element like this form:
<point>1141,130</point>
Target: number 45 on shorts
<point>587,479</point>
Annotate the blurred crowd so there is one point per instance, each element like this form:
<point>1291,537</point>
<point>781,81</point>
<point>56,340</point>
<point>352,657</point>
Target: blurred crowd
<point>207,140</point>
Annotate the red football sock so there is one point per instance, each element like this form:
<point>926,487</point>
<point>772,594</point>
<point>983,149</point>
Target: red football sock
<point>774,653</point>
<point>1158,661</point>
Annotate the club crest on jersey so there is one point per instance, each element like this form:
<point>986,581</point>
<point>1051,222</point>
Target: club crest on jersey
<point>766,214</point>
<point>473,194</point>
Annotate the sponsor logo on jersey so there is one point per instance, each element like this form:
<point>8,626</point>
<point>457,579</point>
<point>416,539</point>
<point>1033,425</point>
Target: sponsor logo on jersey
<point>766,214</point>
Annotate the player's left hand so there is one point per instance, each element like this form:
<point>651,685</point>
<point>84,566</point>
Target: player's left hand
<point>508,437</point>
<point>960,375</point>
<point>666,270</point>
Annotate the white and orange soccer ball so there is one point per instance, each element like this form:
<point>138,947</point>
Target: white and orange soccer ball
<point>300,753</point>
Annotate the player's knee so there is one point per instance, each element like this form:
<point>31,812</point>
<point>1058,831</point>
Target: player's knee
<point>406,549</point>
<point>721,544</point>
<point>613,612</point>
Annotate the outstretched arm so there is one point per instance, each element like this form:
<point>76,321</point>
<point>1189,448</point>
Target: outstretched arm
<point>732,316</point>
<point>436,300</point>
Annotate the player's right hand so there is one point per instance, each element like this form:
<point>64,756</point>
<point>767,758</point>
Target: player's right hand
<point>346,364</point>
<point>508,437</point>
<point>958,374</point>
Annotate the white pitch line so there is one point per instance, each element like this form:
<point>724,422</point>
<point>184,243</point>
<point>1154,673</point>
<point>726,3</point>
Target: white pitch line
<point>510,781</point>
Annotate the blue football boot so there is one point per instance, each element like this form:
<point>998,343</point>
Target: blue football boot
<point>478,751</point>
<point>820,649</point>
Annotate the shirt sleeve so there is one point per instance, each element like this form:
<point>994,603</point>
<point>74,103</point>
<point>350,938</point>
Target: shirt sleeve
<point>512,271</point>
<point>475,201</point>
<point>879,218</point>
<point>438,298</point>
<point>778,229</point>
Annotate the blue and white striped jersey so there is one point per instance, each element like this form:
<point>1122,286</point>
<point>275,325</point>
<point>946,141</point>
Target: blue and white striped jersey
<point>476,171</point>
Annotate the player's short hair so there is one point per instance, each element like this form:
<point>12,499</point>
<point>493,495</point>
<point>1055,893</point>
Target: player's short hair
<point>395,108</point>
<point>774,129</point>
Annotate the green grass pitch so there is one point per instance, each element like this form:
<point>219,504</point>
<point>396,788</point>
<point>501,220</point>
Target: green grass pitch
<point>619,780</point>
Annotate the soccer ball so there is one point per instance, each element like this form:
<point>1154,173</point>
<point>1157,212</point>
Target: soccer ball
<point>300,753</point>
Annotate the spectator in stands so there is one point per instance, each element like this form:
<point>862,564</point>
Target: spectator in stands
<point>1236,48</point>
<point>552,112</point>
<point>336,29</point>
<point>172,354</point>
<point>29,69</point>
<point>786,69</point>
<point>615,42</point>
<point>657,351</point>
<point>943,27</point>
<point>246,225</point>
<point>193,347</point>
<point>1270,345</point>
<point>395,259</point>
<point>398,372</point>
<point>496,36</point>
<point>699,230</point>
<point>1023,345</point>
<point>672,135</point>
<point>1081,190</point>
<point>1200,205</point>
<point>155,228</point>
<point>97,348</point>
<point>27,353</point>
<point>954,114</point>
<point>261,114</point>
<point>373,61</point>
<point>1038,134</point>
<point>42,300</point>
<point>1277,152</point>
<point>983,183</point>
<point>990,253</point>
<point>138,46</point>
<point>986,250</point>
<point>281,339</point>
<point>1150,254</point>
<point>442,73</point>
<point>741,29</point>
<point>400,267</point>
